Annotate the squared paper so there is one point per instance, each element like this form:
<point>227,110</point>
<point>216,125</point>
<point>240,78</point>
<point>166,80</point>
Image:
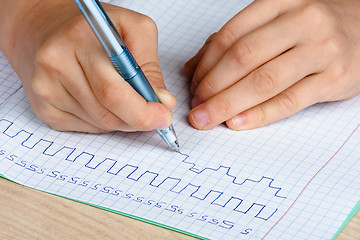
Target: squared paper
<point>295,179</point>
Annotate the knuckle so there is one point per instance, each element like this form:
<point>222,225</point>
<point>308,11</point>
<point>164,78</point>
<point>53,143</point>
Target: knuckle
<point>151,66</point>
<point>223,106</point>
<point>338,72</point>
<point>107,121</point>
<point>242,54</point>
<point>39,87</point>
<point>334,45</point>
<point>318,12</point>
<point>147,25</point>
<point>260,115</point>
<point>336,83</point>
<point>152,71</point>
<point>77,30</point>
<point>107,94</point>
<point>208,88</point>
<point>224,38</point>
<point>263,82</point>
<point>287,103</point>
<point>47,57</point>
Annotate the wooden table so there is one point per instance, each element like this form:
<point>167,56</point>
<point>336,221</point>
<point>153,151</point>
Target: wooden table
<point>31,214</point>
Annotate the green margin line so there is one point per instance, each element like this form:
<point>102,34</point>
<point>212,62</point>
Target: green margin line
<point>118,212</point>
<point>347,220</point>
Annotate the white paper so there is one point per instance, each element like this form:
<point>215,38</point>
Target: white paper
<point>295,179</point>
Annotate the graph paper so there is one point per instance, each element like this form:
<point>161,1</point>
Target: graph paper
<point>295,179</point>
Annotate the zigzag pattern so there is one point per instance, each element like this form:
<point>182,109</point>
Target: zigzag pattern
<point>213,194</point>
<point>196,170</point>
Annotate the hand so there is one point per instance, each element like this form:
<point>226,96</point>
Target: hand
<point>67,77</point>
<point>273,59</point>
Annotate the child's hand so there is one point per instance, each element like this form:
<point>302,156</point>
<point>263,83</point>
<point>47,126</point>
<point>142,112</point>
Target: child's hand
<point>275,58</point>
<point>67,77</point>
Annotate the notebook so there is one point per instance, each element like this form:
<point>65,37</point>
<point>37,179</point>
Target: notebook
<point>294,179</point>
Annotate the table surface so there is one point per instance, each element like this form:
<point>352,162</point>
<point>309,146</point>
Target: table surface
<point>30,214</point>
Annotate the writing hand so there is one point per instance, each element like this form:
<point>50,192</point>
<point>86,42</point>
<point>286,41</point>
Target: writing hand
<point>68,79</point>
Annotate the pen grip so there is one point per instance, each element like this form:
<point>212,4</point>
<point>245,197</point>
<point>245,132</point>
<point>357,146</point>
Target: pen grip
<point>140,83</point>
<point>127,67</point>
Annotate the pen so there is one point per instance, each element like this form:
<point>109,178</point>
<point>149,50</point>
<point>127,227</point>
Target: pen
<point>122,59</point>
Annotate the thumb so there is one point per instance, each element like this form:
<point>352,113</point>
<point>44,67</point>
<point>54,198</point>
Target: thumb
<point>165,97</point>
<point>153,73</point>
<point>142,40</point>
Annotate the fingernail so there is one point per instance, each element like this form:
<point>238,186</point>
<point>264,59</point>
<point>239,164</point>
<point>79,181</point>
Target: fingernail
<point>238,120</point>
<point>195,102</point>
<point>200,117</point>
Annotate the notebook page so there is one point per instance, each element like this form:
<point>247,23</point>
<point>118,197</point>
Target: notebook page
<point>277,182</point>
<point>9,81</point>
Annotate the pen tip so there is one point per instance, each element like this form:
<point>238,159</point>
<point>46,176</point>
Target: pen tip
<point>176,146</point>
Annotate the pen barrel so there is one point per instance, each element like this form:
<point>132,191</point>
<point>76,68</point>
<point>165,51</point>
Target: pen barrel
<point>125,64</point>
<point>127,67</point>
<point>122,59</point>
<point>143,87</point>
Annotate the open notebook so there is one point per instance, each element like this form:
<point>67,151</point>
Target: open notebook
<point>295,179</point>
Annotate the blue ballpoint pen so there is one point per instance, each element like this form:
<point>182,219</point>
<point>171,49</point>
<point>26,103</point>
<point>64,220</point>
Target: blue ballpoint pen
<point>122,59</point>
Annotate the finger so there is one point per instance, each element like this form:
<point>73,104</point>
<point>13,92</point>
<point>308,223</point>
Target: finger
<point>255,15</point>
<point>78,87</point>
<point>249,53</point>
<point>69,104</point>
<point>285,104</point>
<point>141,37</point>
<point>116,95</point>
<point>165,97</point>
<point>63,121</point>
<point>70,92</point>
<point>259,86</point>
<point>70,123</point>
<point>191,65</point>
